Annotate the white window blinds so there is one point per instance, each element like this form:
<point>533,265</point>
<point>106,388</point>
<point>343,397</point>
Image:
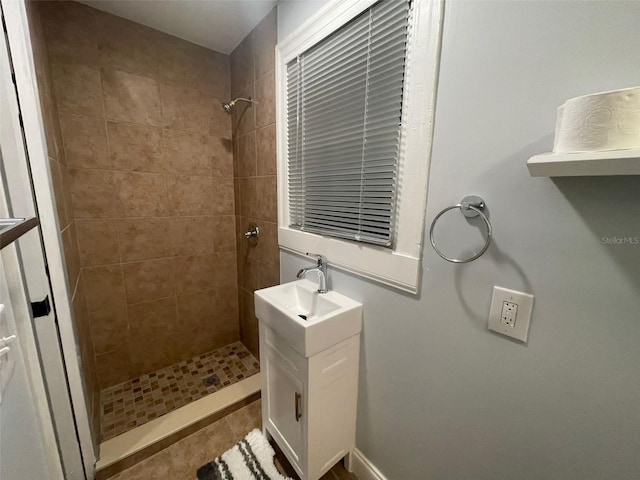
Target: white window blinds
<point>344,108</point>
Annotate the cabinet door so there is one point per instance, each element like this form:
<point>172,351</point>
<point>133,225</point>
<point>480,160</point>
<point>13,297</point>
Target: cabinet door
<point>284,404</point>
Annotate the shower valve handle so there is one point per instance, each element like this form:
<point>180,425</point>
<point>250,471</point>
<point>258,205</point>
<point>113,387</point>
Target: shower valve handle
<point>252,233</point>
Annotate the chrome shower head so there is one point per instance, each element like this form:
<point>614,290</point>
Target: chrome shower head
<point>228,107</point>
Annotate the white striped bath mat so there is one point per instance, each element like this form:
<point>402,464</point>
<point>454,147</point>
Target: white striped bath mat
<point>252,458</point>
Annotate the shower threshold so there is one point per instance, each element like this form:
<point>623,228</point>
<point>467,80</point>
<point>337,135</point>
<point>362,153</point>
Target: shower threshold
<point>138,401</point>
<point>140,443</point>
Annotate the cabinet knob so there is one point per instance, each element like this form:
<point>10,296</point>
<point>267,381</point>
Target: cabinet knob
<point>298,413</point>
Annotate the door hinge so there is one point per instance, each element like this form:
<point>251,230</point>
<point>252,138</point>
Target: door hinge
<point>42,308</point>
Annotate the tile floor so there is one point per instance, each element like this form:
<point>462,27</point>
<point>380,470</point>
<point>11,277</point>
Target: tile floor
<point>181,460</point>
<point>135,402</point>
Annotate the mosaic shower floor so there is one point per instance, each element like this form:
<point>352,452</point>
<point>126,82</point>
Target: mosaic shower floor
<point>140,400</point>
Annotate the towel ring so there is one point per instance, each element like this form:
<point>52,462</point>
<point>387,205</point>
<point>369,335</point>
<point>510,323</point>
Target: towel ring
<point>470,206</point>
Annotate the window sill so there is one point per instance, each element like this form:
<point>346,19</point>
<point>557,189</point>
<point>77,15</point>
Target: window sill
<point>375,263</point>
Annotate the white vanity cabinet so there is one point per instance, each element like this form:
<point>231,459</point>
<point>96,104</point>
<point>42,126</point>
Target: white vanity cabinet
<point>309,403</point>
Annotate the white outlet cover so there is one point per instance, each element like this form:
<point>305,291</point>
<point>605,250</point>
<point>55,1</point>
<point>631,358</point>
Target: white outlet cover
<point>520,331</point>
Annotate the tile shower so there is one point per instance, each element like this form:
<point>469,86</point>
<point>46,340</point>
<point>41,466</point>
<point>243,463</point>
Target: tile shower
<point>154,187</point>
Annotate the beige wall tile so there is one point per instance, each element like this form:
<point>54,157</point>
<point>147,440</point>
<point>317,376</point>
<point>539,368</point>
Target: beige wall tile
<point>193,235</point>
<point>114,367</point>
<point>135,147</point>
<point>131,98</point>
<point>141,194</point>
<point>236,196</point>
<point>203,326</point>
<point>205,272</point>
<point>39,48</point>
<point>70,31</point>
<point>222,156</point>
<point>146,360</point>
<point>220,121</point>
<point>225,269</point>
<point>66,192</point>
<point>195,313</point>
<point>77,89</point>
<point>226,303</point>
<point>152,81</point>
<point>186,108</point>
<point>187,153</point>
<point>183,63</point>
<point>246,152</point>
<point>243,117</point>
<point>52,128</point>
<point>271,251</point>
<point>190,195</point>
<point>82,326</point>
<point>242,66</point>
<point>223,197</point>
<point>266,150</point>
<point>85,141</point>
<point>242,226</point>
<point>59,194</point>
<point>266,198</point>
<point>249,266</point>
<point>180,62</point>
<point>72,260</point>
<point>265,39</point>
<point>149,280</point>
<point>249,324</point>
<point>109,329</point>
<point>218,74</point>
<point>267,248</point>
<point>225,233</point>
<point>152,319</point>
<point>98,242</point>
<point>266,97</point>
<point>103,287</point>
<point>196,273</point>
<point>145,238</point>
<point>248,197</point>
<point>153,323</point>
<point>127,46</point>
<point>93,194</point>
<point>268,275</point>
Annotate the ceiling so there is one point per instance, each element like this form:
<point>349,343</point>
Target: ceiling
<point>216,24</point>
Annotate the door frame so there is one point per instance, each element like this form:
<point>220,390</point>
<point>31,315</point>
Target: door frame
<point>25,77</point>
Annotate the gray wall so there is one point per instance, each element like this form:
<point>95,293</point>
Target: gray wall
<point>440,396</point>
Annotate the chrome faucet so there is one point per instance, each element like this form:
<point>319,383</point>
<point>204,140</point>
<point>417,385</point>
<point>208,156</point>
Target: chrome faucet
<point>321,268</point>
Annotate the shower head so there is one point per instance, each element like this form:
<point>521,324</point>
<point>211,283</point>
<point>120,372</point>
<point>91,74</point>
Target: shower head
<point>228,107</point>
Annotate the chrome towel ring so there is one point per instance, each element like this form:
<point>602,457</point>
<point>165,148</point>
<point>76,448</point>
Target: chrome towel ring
<point>470,206</point>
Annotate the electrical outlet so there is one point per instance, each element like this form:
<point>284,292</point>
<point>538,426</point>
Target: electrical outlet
<point>510,313</point>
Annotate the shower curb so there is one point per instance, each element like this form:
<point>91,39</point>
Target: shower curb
<point>130,448</point>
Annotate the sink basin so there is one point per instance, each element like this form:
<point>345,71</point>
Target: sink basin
<point>310,321</point>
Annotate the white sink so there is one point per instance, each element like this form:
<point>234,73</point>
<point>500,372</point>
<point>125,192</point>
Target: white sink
<point>310,321</point>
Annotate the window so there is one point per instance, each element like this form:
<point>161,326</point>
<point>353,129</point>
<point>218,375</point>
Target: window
<point>344,110</point>
<point>355,99</point>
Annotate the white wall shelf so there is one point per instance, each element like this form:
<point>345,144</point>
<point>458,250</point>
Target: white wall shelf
<point>614,162</point>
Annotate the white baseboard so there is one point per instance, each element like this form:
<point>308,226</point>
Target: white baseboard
<point>363,468</point>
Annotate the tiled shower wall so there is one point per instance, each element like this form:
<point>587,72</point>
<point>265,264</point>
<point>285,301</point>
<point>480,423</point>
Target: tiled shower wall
<point>254,136</point>
<point>144,171</point>
<point>68,228</point>
<point>150,170</point>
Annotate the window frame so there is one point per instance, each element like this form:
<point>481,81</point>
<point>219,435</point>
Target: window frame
<point>398,266</point>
